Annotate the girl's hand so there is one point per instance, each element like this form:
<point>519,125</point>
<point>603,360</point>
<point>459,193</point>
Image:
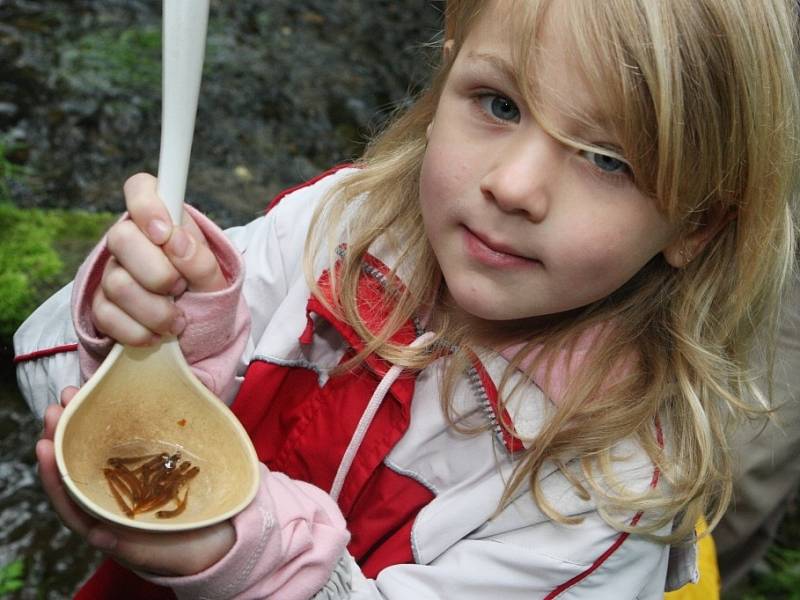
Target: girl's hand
<point>172,554</point>
<point>152,262</point>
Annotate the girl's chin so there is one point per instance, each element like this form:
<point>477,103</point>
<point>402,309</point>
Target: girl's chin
<point>483,320</point>
<point>490,323</point>
<point>485,305</point>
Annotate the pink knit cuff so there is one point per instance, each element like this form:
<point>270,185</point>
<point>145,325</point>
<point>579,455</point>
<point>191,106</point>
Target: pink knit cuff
<point>288,541</point>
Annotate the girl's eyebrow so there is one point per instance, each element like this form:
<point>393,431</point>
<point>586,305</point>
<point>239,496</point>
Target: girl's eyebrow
<point>496,62</point>
<point>588,122</point>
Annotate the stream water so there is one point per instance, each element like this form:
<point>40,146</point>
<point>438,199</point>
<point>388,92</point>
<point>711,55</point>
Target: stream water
<point>55,560</point>
<point>290,88</point>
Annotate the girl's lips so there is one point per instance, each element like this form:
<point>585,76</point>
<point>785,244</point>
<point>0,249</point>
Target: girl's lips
<point>494,256</point>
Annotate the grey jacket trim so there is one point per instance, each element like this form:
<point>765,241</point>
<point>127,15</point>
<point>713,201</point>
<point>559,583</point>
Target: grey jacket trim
<point>340,582</point>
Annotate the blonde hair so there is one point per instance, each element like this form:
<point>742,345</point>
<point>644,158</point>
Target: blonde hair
<point>703,96</point>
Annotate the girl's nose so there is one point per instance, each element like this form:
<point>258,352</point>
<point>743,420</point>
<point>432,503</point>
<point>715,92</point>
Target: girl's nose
<point>519,178</point>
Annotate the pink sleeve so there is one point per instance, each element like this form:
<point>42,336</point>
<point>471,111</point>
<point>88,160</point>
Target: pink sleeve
<point>288,541</point>
<point>218,323</point>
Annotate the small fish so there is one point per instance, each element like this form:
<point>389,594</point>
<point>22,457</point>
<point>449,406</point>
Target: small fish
<point>142,484</point>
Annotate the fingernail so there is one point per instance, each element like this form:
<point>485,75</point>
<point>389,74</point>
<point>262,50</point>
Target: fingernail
<point>158,231</point>
<point>180,243</point>
<point>102,539</point>
<point>178,325</point>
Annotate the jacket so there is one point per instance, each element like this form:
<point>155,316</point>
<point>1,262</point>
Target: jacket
<point>418,497</point>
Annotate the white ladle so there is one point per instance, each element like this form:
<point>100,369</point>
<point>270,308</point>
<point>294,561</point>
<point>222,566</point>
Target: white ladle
<point>147,400</point>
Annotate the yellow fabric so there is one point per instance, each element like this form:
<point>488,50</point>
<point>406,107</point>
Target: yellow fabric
<point>708,586</point>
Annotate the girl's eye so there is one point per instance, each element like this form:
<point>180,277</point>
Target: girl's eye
<point>499,107</point>
<point>606,163</point>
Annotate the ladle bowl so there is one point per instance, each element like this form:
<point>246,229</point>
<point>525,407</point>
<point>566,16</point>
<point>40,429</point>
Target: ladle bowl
<point>144,401</point>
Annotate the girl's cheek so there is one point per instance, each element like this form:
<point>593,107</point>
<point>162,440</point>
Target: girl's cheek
<point>436,181</point>
<point>426,183</point>
<point>591,259</point>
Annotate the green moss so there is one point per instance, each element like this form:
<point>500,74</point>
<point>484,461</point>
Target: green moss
<point>39,252</point>
<point>780,577</point>
<point>12,577</point>
<point>120,62</point>
<point>114,62</point>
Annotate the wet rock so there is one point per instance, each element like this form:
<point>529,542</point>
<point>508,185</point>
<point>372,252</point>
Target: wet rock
<point>8,111</point>
<point>289,89</point>
<point>10,45</point>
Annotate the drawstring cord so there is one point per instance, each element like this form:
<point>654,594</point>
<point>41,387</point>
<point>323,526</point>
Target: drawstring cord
<point>366,419</point>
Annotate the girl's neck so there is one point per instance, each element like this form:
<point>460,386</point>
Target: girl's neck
<point>474,331</point>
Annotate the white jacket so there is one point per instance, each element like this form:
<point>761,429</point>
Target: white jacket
<point>459,550</point>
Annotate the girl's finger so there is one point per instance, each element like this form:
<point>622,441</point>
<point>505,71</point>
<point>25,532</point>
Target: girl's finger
<point>111,320</point>
<point>142,259</point>
<point>67,394</point>
<point>69,512</point>
<point>153,312</point>
<point>190,254</point>
<point>184,553</point>
<point>185,245</point>
<point>189,224</point>
<point>51,416</point>
<point>146,209</point>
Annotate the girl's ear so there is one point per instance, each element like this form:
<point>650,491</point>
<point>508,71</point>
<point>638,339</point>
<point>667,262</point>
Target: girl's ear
<point>447,49</point>
<point>681,251</point>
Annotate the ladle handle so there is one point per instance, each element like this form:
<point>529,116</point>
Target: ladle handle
<point>183,47</point>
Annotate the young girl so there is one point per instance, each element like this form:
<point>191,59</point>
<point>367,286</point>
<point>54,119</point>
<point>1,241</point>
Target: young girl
<point>498,357</point>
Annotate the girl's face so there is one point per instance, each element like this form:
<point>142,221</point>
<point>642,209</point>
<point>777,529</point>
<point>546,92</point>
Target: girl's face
<point>523,225</point>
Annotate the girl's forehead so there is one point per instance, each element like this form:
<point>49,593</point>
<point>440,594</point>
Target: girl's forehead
<point>524,35</point>
<point>533,50</point>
